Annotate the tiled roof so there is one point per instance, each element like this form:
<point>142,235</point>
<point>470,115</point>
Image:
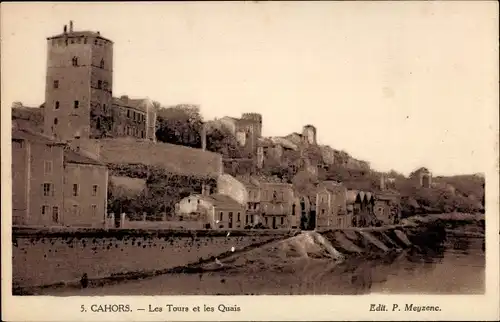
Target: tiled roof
<point>71,156</point>
<point>25,134</point>
<point>79,34</point>
<point>219,200</point>
<point>136,104</point>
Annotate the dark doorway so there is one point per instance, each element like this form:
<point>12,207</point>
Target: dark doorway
<point>312,220</point>
<point>118,220</point>
<point>274,222</point>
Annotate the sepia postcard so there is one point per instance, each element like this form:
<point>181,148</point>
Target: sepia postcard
<point>250,161</point>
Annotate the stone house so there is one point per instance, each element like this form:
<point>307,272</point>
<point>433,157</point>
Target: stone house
<point>331,206</point>
<point>37,179</point>
<point>277,201</point>
<point>134,118</point>
<point>360,204</point>
<point>85,190</point>
<point>386,208</point>
<point>266,201</point>
<point>216,211</point>
<point>55,186</point>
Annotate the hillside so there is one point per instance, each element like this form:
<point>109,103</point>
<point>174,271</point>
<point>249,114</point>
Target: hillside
<point>471,186</point>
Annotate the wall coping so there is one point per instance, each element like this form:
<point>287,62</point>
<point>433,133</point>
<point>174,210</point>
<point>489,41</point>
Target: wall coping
<point>53,232</point>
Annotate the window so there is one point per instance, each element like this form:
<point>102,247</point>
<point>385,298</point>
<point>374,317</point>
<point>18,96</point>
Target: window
<point>55,121</point>
<point>99,84</point>
<point>45,210</point>
<point>221,216</point>
<point>246,219</point>
<point>75,210</point>
<point>230,220</point>
<point>75,190</point>
<point>47,189</point>
<point>94,210</point>
<point>94,190</point>
<point>74,61</point>
<point>104,108</point>
<point>55,214</point>
<point>238,218</point>
<point>85,40</point>
<point>56,84</point>
<point>95,42</point>
<point>102,63</point>
<point>56,106</point>
<point>128,113</point>
<point>322,211</point>
<point>76,104</point>
<point>267,220</point>
<point>48,167</point>
<point>282,220</point>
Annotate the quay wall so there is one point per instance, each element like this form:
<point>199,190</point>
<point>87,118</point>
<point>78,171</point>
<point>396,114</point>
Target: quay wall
<point>48,257</point>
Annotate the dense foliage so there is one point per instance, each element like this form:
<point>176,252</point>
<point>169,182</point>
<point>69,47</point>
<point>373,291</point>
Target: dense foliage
<point>182,125</point>
<point>163,190</point>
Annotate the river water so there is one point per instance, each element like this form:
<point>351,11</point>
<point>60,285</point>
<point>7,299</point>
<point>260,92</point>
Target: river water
<point>458,267</point>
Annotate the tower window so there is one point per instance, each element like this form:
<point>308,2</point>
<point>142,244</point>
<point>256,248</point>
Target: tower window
<point>56,84</point>
<point>55,121</point>
<point>99,84</point>
<point>75,61</point>
<point>76,104</point>
<point>102,63</point>
<point>95,42</point>
<point>56,105</point>
<point>75,190</point>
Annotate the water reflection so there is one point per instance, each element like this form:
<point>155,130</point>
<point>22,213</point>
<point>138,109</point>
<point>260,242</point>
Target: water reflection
<point>456,266</point>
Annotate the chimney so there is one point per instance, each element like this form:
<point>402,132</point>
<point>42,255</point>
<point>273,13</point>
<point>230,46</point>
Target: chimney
<point>204,137</point>
<point>65,29</point>
<point>71,26</point>
<point>382,182</point>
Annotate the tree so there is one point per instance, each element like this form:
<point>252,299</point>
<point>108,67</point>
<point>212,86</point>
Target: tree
<point>180,124</point>
<point>221,140</point>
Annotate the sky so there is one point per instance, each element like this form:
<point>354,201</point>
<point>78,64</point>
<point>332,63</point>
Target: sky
<point>400,85</point>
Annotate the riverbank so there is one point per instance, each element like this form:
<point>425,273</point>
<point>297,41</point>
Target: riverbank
<point>305,265</point>
<point>288,254</point>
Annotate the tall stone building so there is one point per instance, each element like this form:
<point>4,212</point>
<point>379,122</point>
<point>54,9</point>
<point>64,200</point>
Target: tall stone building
<point>79,82</point>
<point>79,99</point>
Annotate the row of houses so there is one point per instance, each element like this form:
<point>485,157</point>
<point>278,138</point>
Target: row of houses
<point>250,201</point>
<point>54,185</point>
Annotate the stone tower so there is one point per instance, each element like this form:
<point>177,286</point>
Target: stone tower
<point>250,125</point>
<point>309,135</point>
<point>79,82</point>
